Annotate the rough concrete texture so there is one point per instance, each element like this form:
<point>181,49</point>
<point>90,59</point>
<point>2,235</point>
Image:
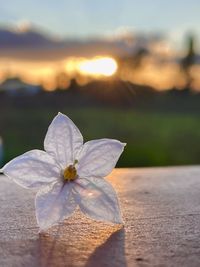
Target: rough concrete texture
<point>161,210</point>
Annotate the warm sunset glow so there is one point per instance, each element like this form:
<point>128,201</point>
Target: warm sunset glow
<point>99,66</point>
<point>54,74</point>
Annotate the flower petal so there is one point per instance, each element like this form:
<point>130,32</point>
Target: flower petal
<point>99,157</point>
<point>63,140</point>
<point>54,203</point>
<point>97,199</point>
<point>32,169</point>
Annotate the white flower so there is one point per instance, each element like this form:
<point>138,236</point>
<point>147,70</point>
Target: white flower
<point>69,174</point>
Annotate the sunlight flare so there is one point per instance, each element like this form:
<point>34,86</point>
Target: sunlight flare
<point>98,66</point>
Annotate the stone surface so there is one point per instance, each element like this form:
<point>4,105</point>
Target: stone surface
<point>161,211</point>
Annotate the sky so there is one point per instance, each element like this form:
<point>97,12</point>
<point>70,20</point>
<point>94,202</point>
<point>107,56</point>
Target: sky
<point>83,18</point>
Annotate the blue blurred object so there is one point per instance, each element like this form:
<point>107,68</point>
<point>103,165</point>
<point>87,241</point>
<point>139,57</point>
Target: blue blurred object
<point>1,151</point>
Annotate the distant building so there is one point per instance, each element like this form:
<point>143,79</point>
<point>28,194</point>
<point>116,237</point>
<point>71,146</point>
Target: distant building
<point>15,86</point>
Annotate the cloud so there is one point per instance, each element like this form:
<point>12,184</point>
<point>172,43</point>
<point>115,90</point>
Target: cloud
<point>27,42</point>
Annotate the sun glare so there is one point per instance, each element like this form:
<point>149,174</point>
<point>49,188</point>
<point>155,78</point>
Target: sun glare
<point>98,66</point>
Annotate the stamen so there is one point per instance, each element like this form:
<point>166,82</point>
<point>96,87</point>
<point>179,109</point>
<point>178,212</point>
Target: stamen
<point>75,162</point>
<point>70,173</point>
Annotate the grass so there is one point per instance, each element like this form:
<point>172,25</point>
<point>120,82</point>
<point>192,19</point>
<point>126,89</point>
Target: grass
<point>153,139</point>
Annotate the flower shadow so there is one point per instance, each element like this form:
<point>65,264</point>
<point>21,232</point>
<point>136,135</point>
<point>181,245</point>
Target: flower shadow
<point>110,253</point>
<point>62,249</point>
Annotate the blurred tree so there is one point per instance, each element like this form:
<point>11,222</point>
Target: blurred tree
<point>139,56</point>
<point>62,80</point>
<point>188,60</point>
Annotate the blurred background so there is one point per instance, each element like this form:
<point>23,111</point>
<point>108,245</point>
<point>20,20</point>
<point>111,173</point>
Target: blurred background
<point>127,69</point>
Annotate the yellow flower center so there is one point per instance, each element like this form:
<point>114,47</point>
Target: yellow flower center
<point>70,173</point>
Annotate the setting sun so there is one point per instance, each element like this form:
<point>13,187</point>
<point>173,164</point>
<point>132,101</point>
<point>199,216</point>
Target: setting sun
<point>98,66</point>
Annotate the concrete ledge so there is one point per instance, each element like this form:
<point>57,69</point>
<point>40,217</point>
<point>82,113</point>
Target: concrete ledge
<point>161,210</point>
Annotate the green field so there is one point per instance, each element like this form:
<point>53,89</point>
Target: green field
<point>153,139</point>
